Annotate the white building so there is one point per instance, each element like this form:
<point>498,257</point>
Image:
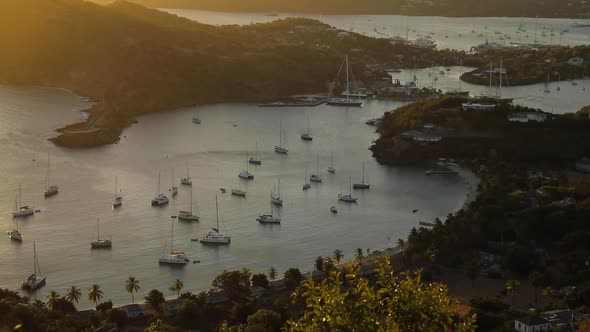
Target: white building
<point>478,106</point>
<point>544,321</point>
<point>527,116</point>
<point>575,61</point>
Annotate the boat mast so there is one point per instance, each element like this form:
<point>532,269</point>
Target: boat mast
<point>191,201</point>
<point>350,186</point>
<point>500,91</point>
<point>172,177</point>
<point>115,186</point>
<point>20,204</point>
<point>98,229</point>
<point>48,172</point>
<point>318,166</point>
<point>34,258</point>
<point>217,213</point>
<point>347,84</point>
<point>281,134</point>
<point>172,236</point>
<point>491,74</point>
<point>279,191</point>
<point>363,173</point>
<point>460,73</point>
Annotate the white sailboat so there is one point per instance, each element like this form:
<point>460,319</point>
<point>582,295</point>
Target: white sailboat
<point>215,237</point>
<point>19,209</point>
<point>187,181</point>
<point>546,89</point>
<point>256,160</point>
<point>316,177</point>
<point>50,190</point>
<point>363,184</point>
<point>275,197</point>
<point>245,174</point>
<point>281,148</point>
<point>174,257</point>
<point>118,201</point>
<point>307,135</point>
<point>189,215</point>
<point>35,280</point>
<point>347,101</point>
<point>14,234</point>
<point>196,119</point>
<point>238,191</point>
<point>173,189</point>
<point>100,244</point>
<point>269,218</point>
<point>306,185</point>
<point>347,198</point>
<point>160,199</point>
<point>331,169</point>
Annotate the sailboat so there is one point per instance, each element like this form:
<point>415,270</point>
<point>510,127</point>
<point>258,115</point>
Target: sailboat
<point>188,215</point>
<point>458,92</point>
<point>187,181</point>
<point>347,101</point>
<point>307,135</point>
<point>331,169</point>
<point>14,234</point>
<point>174,189</point>
<point>100,244</point>
<point>118,201</point>
<point>546,89</point>
<point>316,177</point>
<point>269,218</point>
<point>174,257</point>
<point>363,184</point>
<point>282,138</point>
<point>35,280</point>
<point>245,174</point>
<point>306,185</point>
<point>19,209</point>
<point>50,190</point>
<point>196,120</point>
<point>215,237</point>
<point>256,160</point>
<point>275,198</point>
<point>160,199</point>
<point>347,198</point>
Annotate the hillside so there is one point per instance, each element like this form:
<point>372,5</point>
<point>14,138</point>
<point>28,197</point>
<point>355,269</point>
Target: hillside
<point>459,8</point>
<point>133,60</point>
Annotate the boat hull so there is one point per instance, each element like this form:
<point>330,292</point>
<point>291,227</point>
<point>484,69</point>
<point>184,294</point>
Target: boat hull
<point>255,162</point>
<point>281,150</point>
<point>188,218</point>
<point>33,284</point>
<point>361,186</point>
<point>344,103</point>
<point>101,244</point>
<point>23,213</point>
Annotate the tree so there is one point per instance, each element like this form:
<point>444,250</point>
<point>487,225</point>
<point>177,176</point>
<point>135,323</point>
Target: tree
<point>292,278</point>
<point>319,263</point>
<point>73,294</point>
<point>260,280</point>
<point>401,244</point>
<point>473,270</point>
<point>132,286</point>
<point>513,289</point>
<point>118,317</point>
<point>536,280</point>
<point>95,294</point>
<point>358,255</point>
<point>52,299</point>
<point>394,304</point>
<point>156,300</point>
<point>264,321</point>
<point>337,255</point>
<point>234,284</point>
<point>177,286</point>
<point>272,273</point>
<point>157,326</point>
<point>105,306</point>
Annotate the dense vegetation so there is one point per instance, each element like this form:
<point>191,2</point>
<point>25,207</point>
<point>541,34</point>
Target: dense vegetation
<point>520,8</point>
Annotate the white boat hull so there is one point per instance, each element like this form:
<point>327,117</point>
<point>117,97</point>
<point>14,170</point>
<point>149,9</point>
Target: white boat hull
<point>173,259</point>
<point>186,182</point>
<point>187,216</point>
<point>51,191</point>
<point>33,282</point>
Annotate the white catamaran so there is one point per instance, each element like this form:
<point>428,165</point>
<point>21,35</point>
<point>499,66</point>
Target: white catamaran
<point>174,257</point>
<point>269,218</point>
<point>35,280</point>
<point>100,244</point>
<point>50,190</point>
<point>347,198</point>
<point>19,209</point>
<point>189,215</point>
<point>215,237</point>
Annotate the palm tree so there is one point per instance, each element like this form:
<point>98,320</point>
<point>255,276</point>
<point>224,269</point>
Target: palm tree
<point>73,294</point>
<point>95,294</point>
<point>132,286</point>
<point>52,299</point>
<point>177,286</point>
<point>272,273</point>
<point>358,255</point>
<point>401,244</point>
<point>337,255</point>
<point>513,288</point>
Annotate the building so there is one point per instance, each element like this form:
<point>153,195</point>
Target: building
<point>525,117</point>
<point>544,321</point>
<point>478,106</point>
<point>418,136</point>
<point>133,310</point>
<point>575,61</point>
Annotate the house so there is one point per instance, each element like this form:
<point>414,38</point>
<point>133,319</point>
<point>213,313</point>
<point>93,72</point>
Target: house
<point>173,305</point>
<point>478,106</point>
<point>545,320</point>
<point>216,298</point>
<point>427,138</point>
<point>278,285</point>
<point>525,117</point>
<point>133,310</point>
<point>575,61</point>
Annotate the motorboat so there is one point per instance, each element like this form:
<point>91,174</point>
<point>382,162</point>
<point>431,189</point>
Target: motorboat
<point>246,175</point>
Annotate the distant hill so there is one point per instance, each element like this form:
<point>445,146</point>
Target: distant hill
<point>460,8</point>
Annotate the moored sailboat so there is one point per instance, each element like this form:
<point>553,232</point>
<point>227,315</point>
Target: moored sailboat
<point>118,201</point>
<point>174,257</point>
<point>100,244</point>
<point>215,237</point>
<point>189,215</point>
<point>269,218</point>
<point>19,209</point>
<point>14,234</point>
<point>348,197</point>
<point>307,135</point>
<point>187,181</point>
<point>245,174</point>
<point>50,189</point>
<point>35,280</point>
<point>345,101</point>
<point>160,199</point>
<point>281,148</point>
<point>316,177</point>
<point>275,197</point>
<point>363,184</point>
<point>256,160</point>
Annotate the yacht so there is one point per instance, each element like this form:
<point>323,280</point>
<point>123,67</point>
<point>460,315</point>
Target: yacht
<point>215,237</point>
<point>307,135</point>
<point>160,199</point>
<point>546,88</point>
<point>275,198</point>
<point>186,181</point>
<point>196,120</point>
<point>35,280</point>
<point>189,215</point>
<point>245,174</point>
<point>100,244</point>
<point>331,169</point>
<point>174,189</point>
<point>174,257</point>
<point>363,184</point>
<point>306,185</point>
<point>15,235</point>
<point>281,148</point>
<point>269,218</point>
<point>256,160</point>
<point>345,101</point>
<point>347,198</point>
<point>50,190</point>
<point>316,177</point>
<point>238,192</point>
<point>19,209</point>
<point>118,200</point>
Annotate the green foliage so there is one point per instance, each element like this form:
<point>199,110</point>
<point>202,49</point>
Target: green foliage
<point>234,284</point>
<point>52,299</point>
<point>104,306</point>
<point>292,278</point>
<point>156,300</point>
<point>337,255</point>
<point>272,273</point>
<point>319,263</point>
<point>521,259</point>
<point>73,294</point>
<point>177,286</point>
<point>132,286</point>
<point>491,313</point>
<point>158,326</point>
<point>118,317</point>
<point>95,294</point>
<point>264,321</point>
<point>260,279</point>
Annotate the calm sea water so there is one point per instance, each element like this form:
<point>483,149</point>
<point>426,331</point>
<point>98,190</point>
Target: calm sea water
<point>453,33</point>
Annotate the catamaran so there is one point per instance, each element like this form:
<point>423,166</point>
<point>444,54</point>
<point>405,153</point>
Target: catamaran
<point>363,184</point>
<point>187,181</point>
<point>189,215</point>
<point>307,135</point>
<point>215,237</point>
<point>35,280</point>
<point>256,160</point>
<point>269,218</point>
<point>19,209</point>
<point>316,177</point>
<point>275,197</point>
<point>281,148</point>
<point>173,189</point>
<point>331,169</point>
<point>347,198</point>
<point>100,244</point>
<point>174,257</point>
<point>50,190</point>
<point>160,199</point>
<point>245,174</point>
<point>118,201</point>
<point>306,185</point>
<point>14,234</point>
<point>347,101</point>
